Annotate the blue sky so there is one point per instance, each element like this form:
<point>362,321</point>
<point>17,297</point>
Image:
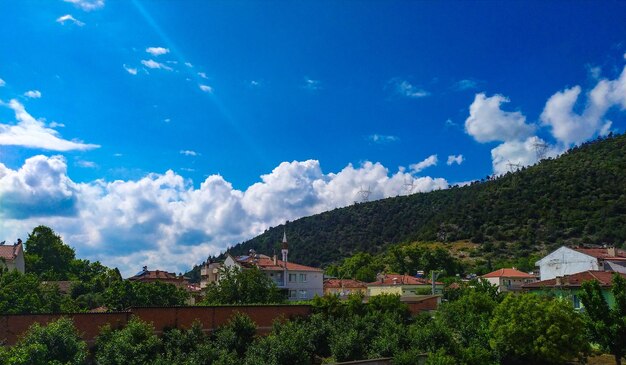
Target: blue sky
<point>158,132</point>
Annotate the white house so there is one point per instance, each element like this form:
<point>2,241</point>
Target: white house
<point>299,281</point>
<point>12,256</point>
<point>509,279</point>
<point>567,261</point>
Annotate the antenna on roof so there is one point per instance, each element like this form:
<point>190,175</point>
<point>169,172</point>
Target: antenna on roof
<point>541,148</point>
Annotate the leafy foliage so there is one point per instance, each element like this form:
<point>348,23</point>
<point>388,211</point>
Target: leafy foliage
<point>56,343</point>
<point>135,344</point>
<point>121,295</point>
<point>579,197</point>
<point>607,325</point>
<point>236,286</point>
<point>24,293</point>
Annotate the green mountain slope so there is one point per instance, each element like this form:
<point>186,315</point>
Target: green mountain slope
<point>577,198</point>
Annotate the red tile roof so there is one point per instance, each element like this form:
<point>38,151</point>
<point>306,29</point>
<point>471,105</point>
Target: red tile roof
<point>603,253</point>
<point>264,262</point>
<point>154,275</point>
<point>343,283</point>
<point>10,252</point>
<point>605,279</point>
<point>397,279</point>
<point>508,273</point>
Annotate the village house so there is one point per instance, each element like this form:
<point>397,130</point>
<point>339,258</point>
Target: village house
<point>344,287</point>
<point>209,273</point>
<point>404,285</point>
<point>151,276</point>
<point>569,286</point>
<point>12,256</point>
<point>509,279</point>
<point>299,282</point>
<point>567,261</point>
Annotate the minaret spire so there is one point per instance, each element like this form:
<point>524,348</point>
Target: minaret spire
<point>285,249</point>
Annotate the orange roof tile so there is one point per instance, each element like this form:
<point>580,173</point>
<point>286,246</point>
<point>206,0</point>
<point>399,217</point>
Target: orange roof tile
<point>603,253</point>
<point>264,262</point>
<point>508,273</point>
<point>343,283</point>
<point>397,279</point>
<point>10,252</point>
<point>605,278</point>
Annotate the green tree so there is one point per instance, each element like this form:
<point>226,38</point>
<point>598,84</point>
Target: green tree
<point>607,325</point>
<point>528,329</point>
<point>56,343</point>
<point>237,334</point>
<point>121,295</point>
<point>24,293</point>
<point>289,343</point>
<point>47,256</point>
<point>247,286</point>
<point>135,344</point>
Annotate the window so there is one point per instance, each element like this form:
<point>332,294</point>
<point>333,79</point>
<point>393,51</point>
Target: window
<point>302,294</point>
<point>303,278</point>
<point>293,294</point>
<point>292,278</point>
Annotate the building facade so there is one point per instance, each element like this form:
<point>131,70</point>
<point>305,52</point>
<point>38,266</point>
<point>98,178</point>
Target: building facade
<point>509,279</point>
<point>404,285</point>
<point>344,287</point>
<point>568,261</point>
<point>12,257</point>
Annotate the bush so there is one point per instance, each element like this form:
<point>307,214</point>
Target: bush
<point>134,344</point>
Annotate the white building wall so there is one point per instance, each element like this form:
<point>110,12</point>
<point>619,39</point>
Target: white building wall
<point>565,261</point>
<point>304,290</point>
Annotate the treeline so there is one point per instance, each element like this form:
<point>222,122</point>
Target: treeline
<point>92,285</point>
<point>480,327</point>
<point>577,198</point>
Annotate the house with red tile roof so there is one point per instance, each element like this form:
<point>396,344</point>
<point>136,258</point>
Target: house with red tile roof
<point>299,282</point>
<point>567,261</point>
<point>344,287</point>
<point>569,286</point>
<point>509,279</point>
<point>151,276</point>
<point>404,285</point>
<point>12,256</point>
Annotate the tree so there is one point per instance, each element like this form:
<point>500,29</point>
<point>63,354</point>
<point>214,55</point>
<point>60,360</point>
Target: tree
<point>47,256</point>
<point>135,344</point>
<point>121,295</point>
<point>607,325</point>
<point>56,343</point>
<point>242,286</point>
<point>528,329</point>
<point>24,293</point>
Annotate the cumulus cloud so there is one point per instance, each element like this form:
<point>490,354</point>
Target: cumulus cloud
<point>311,84</point>
<point>406,89</point>
<point>87,5</point>
<point>382,139</point>
<point>487,122</point>
<point>206,88</point>
<point>455,159</point>
<point>157,51</point>
<point>510,155</point>
<point>2,83</point>
<point>570,127</point>
<point>33,94</point>
<point>203,75</point>
<point>155,65</point>
<point>69,18</point>
<point>29,132</point>
<point>163,221</point>
<point>427,162</point>
<point>130,70</point>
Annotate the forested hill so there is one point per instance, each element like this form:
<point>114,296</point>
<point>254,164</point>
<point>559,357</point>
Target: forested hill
<point>579,197</point>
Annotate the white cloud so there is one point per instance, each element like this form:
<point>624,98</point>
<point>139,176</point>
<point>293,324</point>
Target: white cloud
<point>56,125</point>
<point>206,88</point>
<point>203,75</point>
<point>87,5</point>
<point>382,139</point>
<point>311,84</point>
<point>189,153</point>
<point>29,132</point>
<point>404,88</point>
<point>33,94</point>
<point>86,164</point>
<point>157,51</point>
<point>465,84</point>
<point>570,127</point>
<point>2,83</point>
<point>427,162</point>
<point>162,221</point>
<point>130,70</point>
<point>188,64</point>
<point>155,65</point>
<point>487,122</point>
<point>455,159</point>
<point>507,155</point>
<point>68,17</point>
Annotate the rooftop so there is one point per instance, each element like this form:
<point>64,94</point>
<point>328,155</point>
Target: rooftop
<point>10,252</point>
<point>605,278</point>
<point>264,262</point>
<point>343,283</point>
<point>604,253</point>
<point>397,279</point>
<point>508,273</point>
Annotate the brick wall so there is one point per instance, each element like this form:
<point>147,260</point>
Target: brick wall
<point>89,324</point>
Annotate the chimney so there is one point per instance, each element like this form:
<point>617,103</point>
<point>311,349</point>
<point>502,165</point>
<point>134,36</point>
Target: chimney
<point>145,268</point>
<point>611,251</point>
<point>275,259</point>
<point>559,281</point>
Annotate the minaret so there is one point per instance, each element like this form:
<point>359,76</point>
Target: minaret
<point>285,249</point>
